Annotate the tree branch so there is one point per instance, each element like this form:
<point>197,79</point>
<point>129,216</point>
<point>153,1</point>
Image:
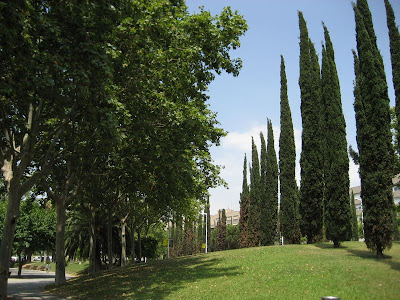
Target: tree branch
<point>31,181</point>
<point>73,196</point>
<point>26,138</point>
<point>52,145</point>
<point>51,195</point>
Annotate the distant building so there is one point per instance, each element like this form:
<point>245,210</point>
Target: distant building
<point>358,201</point>
<point>232,218</point>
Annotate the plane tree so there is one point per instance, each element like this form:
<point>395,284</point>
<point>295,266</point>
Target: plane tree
<point>44,87</point>
<point>35,229</point>
<point>76,65</point>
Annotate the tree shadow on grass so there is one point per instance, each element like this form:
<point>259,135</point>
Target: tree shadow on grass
<point>366,254</point>
<point>329,246</point>
<point>154,280</point>
<point>82,272</point>
<point>25,275</point>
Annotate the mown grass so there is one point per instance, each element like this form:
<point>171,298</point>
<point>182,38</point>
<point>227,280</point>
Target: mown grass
<point>276,272</point>
<point>72,268</point>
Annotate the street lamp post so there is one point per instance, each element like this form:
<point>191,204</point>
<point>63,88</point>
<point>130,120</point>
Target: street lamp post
<point>206,248</point>
<point>168,241</point>
<point>206,234</point>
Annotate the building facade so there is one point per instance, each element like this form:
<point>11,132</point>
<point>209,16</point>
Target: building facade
<point>358,201</point>
<point>232,218</point>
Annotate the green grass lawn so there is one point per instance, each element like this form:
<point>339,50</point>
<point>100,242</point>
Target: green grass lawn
<point>72,268</point>
<point>276,272</point>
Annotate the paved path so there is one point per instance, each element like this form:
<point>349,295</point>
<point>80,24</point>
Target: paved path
<point>30,284</point>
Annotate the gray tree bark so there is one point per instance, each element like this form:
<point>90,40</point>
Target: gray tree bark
<point>14,175</point>
<point>123,243</point>
<point>133,250</point>
<point>109,238</point>
<point>139,243</point>
<point>7,239</point>
<point>62,200</point>
<point>60,241</point>
<point>19,264</point>
<point>123,240</point>
<point>92,242</point>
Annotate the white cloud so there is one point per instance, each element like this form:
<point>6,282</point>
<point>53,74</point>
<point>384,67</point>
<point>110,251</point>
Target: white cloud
<point>242,140</point>
<point>353,174</point>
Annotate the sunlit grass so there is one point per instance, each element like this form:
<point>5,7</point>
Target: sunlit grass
<point>72,268</point>
<point>277,272</point>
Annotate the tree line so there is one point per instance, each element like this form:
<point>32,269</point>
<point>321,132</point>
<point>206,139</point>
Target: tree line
<point>322,208</point>
<point>103,111</point>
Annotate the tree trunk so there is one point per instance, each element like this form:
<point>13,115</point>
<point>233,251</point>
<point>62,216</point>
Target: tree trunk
<point>19,264</point>
<point>139,245</point>
<point>109,238</point>
<point>379,251</point>
<point>60,241</point>
<point>133,253</point>
<point>14,200</point>
<point>98,254</point>
<point>92,242</point>
<point>123,243</point>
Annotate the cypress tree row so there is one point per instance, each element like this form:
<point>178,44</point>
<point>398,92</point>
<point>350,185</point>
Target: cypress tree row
<point>244,209</point>
<point>263,168</point>
<point>263,193</point>
<point>270,216</point>
<point>200,233</point>
<point>255,191</point>
<point>336,171</point>
<point>287,167</point>
<point>394,38</point>
<point>373,134</point>
<point>221,231</point>
<point>354,222</point>
<point>311,161</point>
<point>189,238</point>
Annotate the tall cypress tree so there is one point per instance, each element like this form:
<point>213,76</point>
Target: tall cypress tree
<point>336,172</point>
<point>394,38</point>
<point>354,222</point>
<point>263,192</point>
<point>373,134</point>
<point>221,231</point>
<point>271,214</point>
<point>189,245</point>
<point>254,207</point>
<point>200,233</point>
<point>244,209</point>
<point>287,167</point>
<point>311,161</point>
<point>223,215</point>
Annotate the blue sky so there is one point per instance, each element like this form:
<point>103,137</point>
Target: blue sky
<point>245,102</point>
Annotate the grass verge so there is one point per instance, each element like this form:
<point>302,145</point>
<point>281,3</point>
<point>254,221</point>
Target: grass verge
<point>72,268</point>
<point>275,272</point>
